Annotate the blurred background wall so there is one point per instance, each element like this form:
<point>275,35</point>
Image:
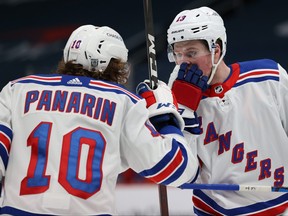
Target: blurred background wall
<point>34,32</point>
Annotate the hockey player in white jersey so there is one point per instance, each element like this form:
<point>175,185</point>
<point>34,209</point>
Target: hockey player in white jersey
<point>242,116</point>
<point>65,137</point>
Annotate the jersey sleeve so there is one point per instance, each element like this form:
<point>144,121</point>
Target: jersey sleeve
<point>164,159</point>
<point>283,97</point>
<point>5,127</point>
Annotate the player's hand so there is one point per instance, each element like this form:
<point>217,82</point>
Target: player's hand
<point>161,103</point>
<point>189,86</point>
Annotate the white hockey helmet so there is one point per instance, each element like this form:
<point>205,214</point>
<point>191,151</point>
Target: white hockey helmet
<point>93,47</point>
<point>198,24</point>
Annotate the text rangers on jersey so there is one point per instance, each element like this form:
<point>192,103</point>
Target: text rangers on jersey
<point>242,116</point>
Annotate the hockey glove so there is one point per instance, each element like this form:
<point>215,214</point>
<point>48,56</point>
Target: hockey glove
<point>189,86</point>
<point>192,124</point>
<point>162,105</point>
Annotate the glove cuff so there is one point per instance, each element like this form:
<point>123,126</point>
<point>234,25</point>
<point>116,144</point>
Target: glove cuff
<point>181,91</point>
<point>166,108</point>
<point>164,121</point>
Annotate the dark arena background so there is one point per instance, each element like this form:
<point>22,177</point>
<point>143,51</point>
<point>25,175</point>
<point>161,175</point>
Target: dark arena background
<point>33,34</point>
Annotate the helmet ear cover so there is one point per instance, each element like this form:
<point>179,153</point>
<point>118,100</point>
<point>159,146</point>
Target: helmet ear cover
<point>93,47</point>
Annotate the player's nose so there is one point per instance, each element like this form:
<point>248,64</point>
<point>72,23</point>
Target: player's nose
<point>184,60</point>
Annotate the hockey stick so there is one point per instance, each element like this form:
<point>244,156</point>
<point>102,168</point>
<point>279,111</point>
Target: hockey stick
<point>153,76</point>
<point>235,187</point>
<point>151,52</point>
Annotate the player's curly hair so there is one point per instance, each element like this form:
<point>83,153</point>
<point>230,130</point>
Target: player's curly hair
<point>116,71</point>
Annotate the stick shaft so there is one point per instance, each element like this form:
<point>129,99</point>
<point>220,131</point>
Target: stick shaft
<point>153,76</point>
<point>150,40</point>
<point>163,199</point>
<point>235,187</point>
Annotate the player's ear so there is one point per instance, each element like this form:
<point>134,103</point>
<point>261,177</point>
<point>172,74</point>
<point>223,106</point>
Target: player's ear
<point>217,54</point>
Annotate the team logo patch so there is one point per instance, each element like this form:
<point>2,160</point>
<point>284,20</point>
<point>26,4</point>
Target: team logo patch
<point>218,89</point>
<point>94,63</point>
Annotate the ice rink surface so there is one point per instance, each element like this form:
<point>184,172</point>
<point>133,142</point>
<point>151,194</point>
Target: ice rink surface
<point>143,200</point>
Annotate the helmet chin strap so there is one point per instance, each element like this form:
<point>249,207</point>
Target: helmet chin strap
<point>212,74</point>
<point>214,66</point>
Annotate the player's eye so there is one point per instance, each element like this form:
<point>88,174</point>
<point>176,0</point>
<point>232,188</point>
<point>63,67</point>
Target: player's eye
<point>178,55</point>
<point>192,54</point>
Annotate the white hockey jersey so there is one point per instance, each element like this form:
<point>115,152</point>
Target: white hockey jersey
<point>65,139</point>
<point>244,140</point>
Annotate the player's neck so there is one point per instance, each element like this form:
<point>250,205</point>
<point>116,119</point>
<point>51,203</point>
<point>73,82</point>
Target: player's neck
<point>221,74</point>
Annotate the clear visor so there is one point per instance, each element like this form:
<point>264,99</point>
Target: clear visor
<point>189,54</point>
<point>170,53</point>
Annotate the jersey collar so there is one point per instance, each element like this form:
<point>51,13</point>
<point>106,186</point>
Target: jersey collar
<point>219,89</point>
